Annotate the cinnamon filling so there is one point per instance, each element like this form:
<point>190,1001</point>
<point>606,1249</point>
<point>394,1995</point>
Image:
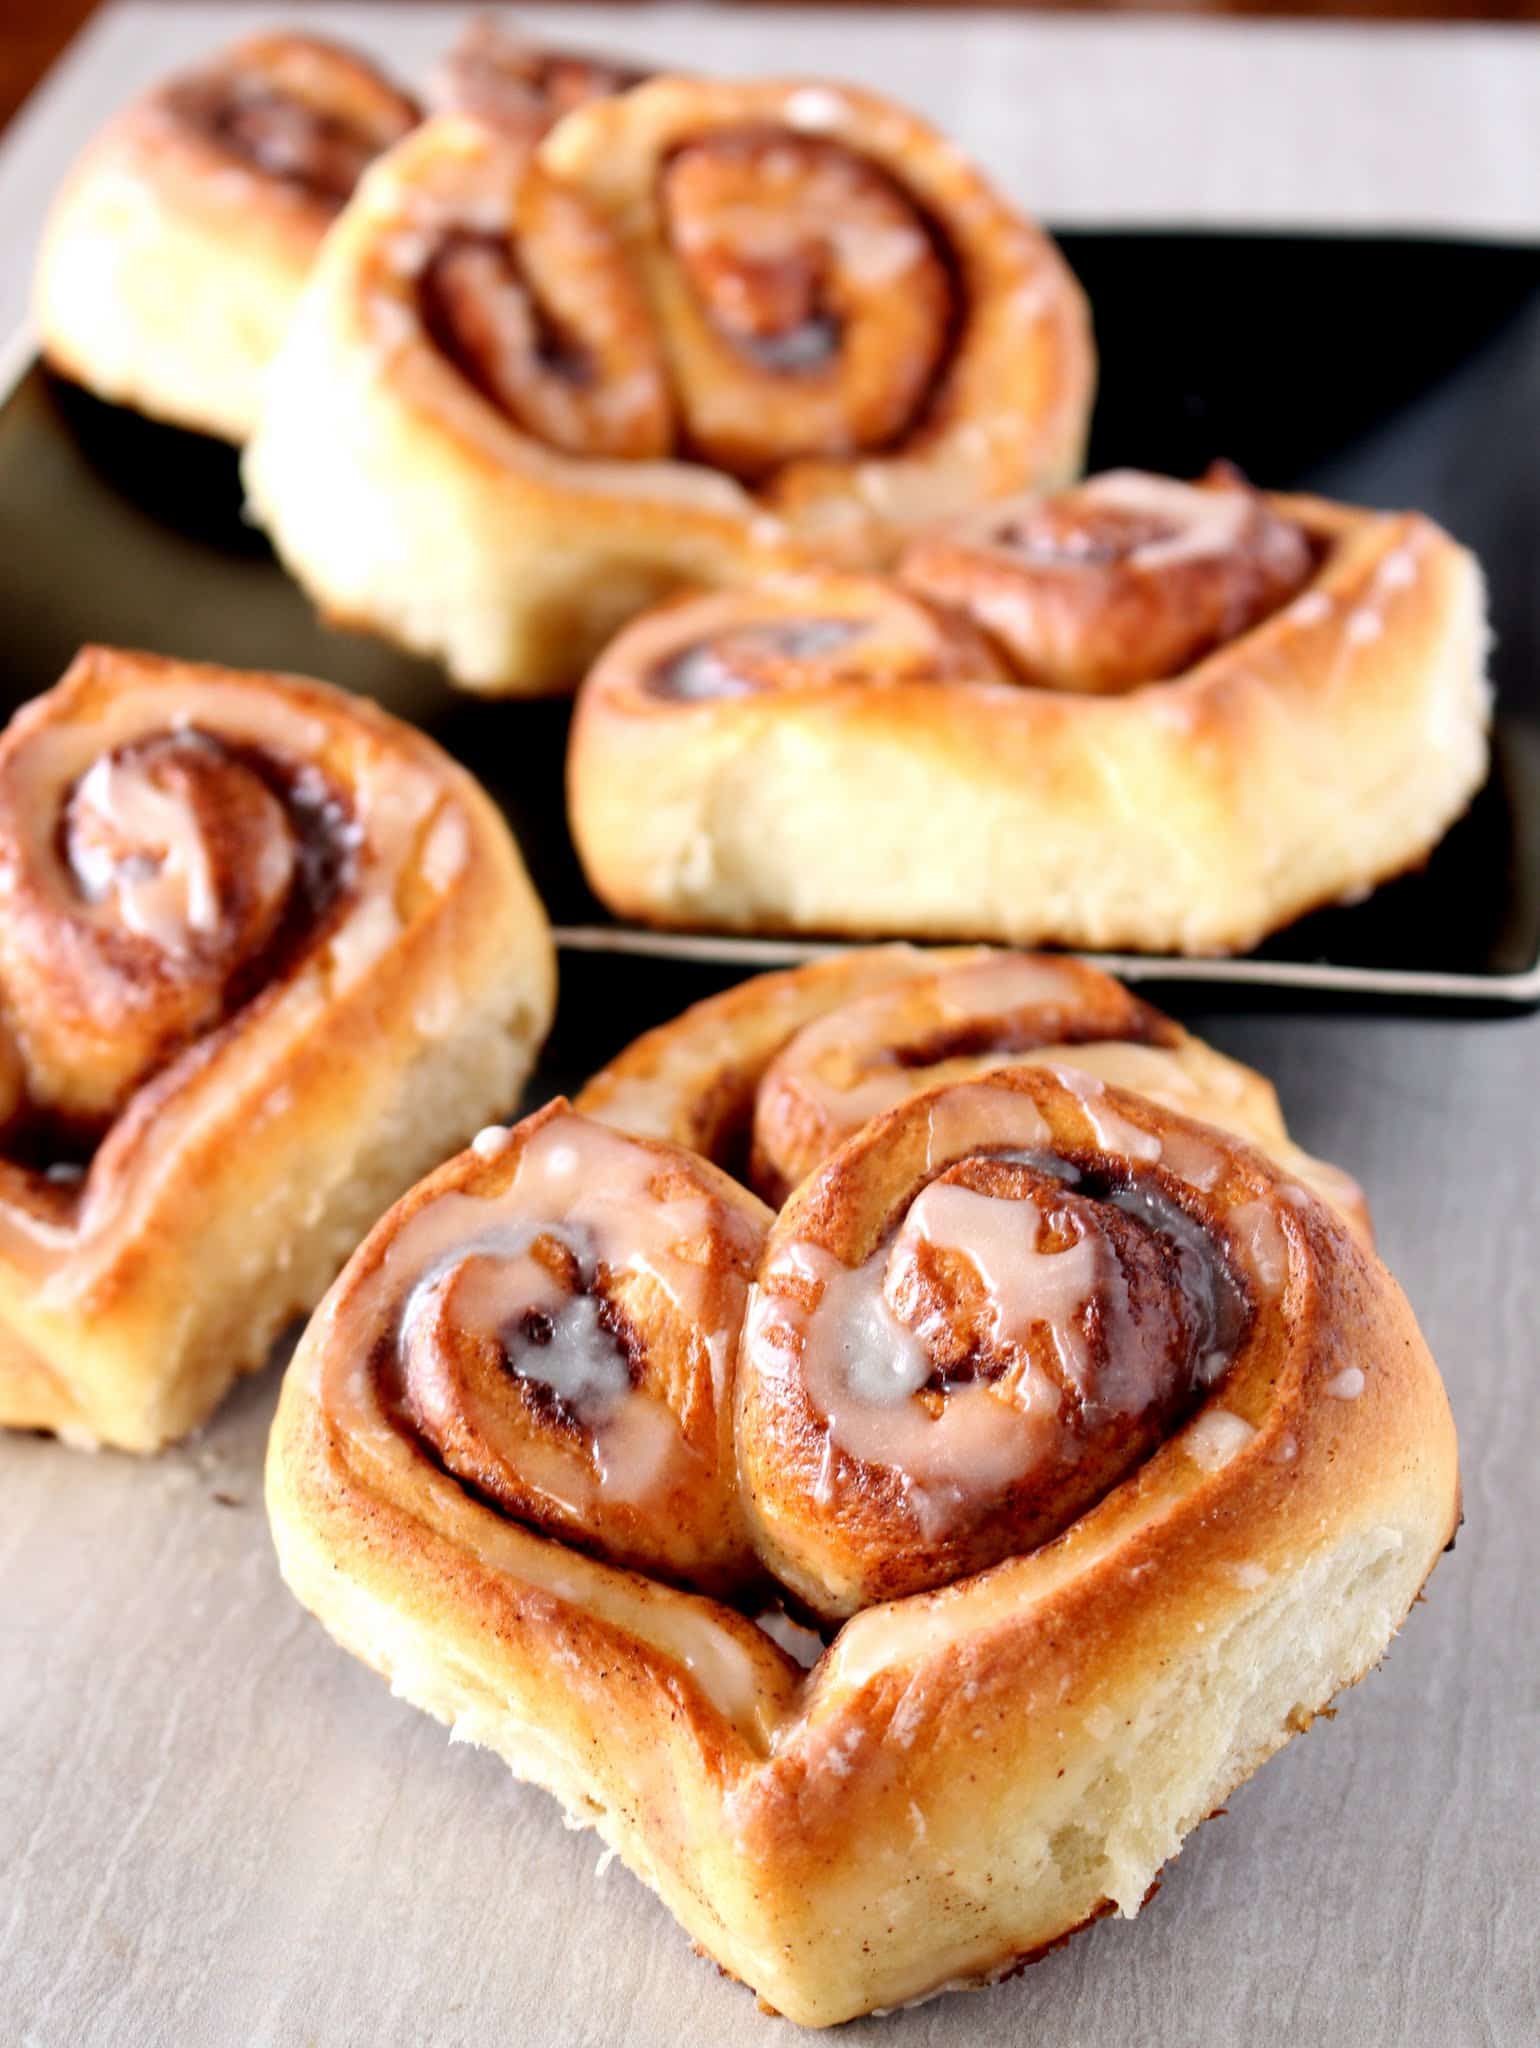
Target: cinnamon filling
<point>823,306</point>
<point>1029,1327</point>
<point>1158,1338</point>
<point>752,659</point>
<point>482,313</point>
<point>546,323</point>
<point>318,153</point>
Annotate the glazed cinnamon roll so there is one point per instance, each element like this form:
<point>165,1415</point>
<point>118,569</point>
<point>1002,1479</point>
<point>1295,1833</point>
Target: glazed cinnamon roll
<point>1200,712</point>
<point>265,955</point>
<point>1104,1450</point>
<point>705,332</point>
<point>772,1076</point>
<point>522,86</point>
<point>174,254</point>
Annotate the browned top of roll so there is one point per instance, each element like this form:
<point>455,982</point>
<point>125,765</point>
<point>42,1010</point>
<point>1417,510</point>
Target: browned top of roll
<point>304,112</point>
<point>1125,579</point>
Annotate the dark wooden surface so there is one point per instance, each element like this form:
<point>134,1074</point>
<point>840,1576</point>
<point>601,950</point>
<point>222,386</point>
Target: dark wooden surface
<point>33,32</point>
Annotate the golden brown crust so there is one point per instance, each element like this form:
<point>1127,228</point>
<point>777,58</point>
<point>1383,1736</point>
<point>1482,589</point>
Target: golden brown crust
<point>521,86</point>
<point>175,252</point>
<point>1123,580</point>
<point>241,1098</point>
<point>966,1775</point>
<point>771,1075</point>
<point>613,431</point>
<point>1323,750</point>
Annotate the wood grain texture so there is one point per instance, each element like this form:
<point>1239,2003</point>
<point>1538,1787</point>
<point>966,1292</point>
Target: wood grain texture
<point>215,1827</point>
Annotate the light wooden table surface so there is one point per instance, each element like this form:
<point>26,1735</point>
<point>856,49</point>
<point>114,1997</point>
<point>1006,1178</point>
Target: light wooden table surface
<point>215,1828</point>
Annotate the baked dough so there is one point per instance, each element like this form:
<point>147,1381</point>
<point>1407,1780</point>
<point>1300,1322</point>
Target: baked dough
<point>701,333</point>
<point>782,759</point>
<point>1195,1478</point>
<point>265,956</point>
<point>174,254</point>
<point>771,1076</point>
<point>503,77</point>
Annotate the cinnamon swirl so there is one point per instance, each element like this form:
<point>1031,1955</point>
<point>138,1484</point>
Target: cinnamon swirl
<point>700,333</point>
<point>173,256</point>
<point>772,1076</point>
<point>265,954</point>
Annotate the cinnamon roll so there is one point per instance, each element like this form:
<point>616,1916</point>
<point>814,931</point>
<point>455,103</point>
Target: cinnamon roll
<point>265,956</point>
<point>173,256</point>
<point>1199,713</point>
<point>772,1076</point>
<point>701,333</point>
<point>1105,1452</point>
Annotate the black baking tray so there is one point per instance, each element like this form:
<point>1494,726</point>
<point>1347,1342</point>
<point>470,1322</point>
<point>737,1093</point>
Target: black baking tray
<point>1392,372</point>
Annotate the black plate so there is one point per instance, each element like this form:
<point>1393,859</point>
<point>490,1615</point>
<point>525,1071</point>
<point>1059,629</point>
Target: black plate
<point>1390,372</point>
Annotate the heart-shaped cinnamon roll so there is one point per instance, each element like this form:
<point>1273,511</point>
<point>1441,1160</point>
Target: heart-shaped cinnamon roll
<point>265,955</point>
<point>1100,1448</point>
<point>695,332</point>
<point>1192,713</point>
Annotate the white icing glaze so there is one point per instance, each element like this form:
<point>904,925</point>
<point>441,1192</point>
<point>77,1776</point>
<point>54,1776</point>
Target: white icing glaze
<point>363,938</point>
<point>1024,1285</point>
<point>166,893</point>
<point>492,1142</point>
<point>447,848</point>
<point>1398,571</point>
<point>1314,608</point>
<point>1192,1159</point>
<point>1346,1385</point>
<point>584,1188</point>
<point>1207,522</point>
<point>805,1645</point>
<point>1364,626</point>
<point>815,107</point>
<point>1215,1437</point>
<point>973,1116</point>
<point>1112,1131</point>
<point>1263,1243</point>
<point>860,1366</point>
